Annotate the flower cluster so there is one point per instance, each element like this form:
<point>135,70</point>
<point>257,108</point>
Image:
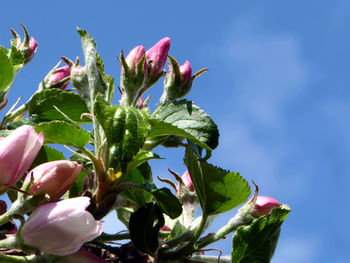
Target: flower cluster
<point>59,200</point>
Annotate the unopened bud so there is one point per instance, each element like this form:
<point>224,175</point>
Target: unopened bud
<point>264,205</point>
<point>28,47</point>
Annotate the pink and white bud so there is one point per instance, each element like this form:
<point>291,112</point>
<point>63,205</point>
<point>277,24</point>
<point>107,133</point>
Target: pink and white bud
<point>264,205</point>
<point>82,256</point>
<point>186,72</point>
<point>17,152</point>
<point>133,58</point>
<point>52,178</point>
<point>58,78</point>
<point>157,55</point>
<point>61,228</point>
<point>29,51</point>
<point>186,178</point>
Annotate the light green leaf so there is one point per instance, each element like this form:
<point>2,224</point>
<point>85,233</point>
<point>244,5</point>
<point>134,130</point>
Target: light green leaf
<point>186,116</point>
<point>256,243</point>
<point>6,75</point>
<point>71,104</point>
<point>218,190</point>
<point>60,132</point>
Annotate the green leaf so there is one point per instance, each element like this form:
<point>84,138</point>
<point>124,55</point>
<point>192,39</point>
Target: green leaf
<point>186,116</point>
<point>16,56</point>
<point>42,105</point>
<point>140,158</point>
<point>144,226</point>
<point>47,154</point>
<point>93,63</point>
<point>218,190</point>
<point>61,132</point>
<point>161,128</point>
<point>7,75</point>
<point>168,202</point>
<point>178,229</point>
<point>125,127</point>
<point>256,243</point>
<point>139,196</point>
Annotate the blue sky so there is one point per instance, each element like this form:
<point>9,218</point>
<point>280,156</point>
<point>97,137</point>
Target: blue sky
<point>278,88</point>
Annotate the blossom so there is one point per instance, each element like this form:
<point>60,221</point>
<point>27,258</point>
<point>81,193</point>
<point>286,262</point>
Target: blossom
<point>61,228</point>
<point>53,178</point>
<point>17,152</point>
<point>157,55</point>
<point>264,205</point>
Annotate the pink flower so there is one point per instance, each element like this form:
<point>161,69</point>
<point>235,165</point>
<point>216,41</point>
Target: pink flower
<point>17,152</point>
<point>264,205</point>
<point>61,228</point>
<point>186,72</point>
<point>53,178</point>
<point>157,55</point>
<point>165,228</point>
<point>133,58</point>
<point>82,256</point>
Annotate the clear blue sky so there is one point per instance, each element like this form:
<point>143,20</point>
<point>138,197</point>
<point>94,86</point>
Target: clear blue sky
<point>278,88</point>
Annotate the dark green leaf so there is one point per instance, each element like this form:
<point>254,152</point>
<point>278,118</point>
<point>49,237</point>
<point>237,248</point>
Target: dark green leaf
<point>69,103</point>
<point>218,190</point>
<point>256,243</point>
<point>144,226</point>
<point>60,132</point>
<point>186,116</point>
<point>168,202</point>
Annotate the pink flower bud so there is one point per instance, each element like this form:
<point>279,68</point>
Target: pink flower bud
<point>83,256</point>
<point>61,228</point>
<point>157,55</point>
<point>52,178</point>
<point>55,77</point>
<point>133,58</point>
<point>186,178</point>
<point>30,50</point>
<point>264,205</point>
<point>186,72</point>
<point>17,152</point>
<point>165,228</point>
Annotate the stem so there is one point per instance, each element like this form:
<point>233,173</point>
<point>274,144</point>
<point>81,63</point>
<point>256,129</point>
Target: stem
<point>23,109</point>
<point>113,237</point>
<point>209,259</point>
<point>231,226</point>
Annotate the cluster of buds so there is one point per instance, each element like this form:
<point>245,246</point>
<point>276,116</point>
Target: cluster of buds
<point>141,69</point>
<point>28,47</point>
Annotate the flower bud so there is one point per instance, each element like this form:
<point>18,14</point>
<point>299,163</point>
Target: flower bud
<point>82,256</point>
<point>264,205</point>
<point>165,228</point>
<point>187,181</point>
<point>132,60</point>
<point>157,55</point>
<point>28,47</point>
<point>52,178</point>
<point>57,78</point>
<point>134,73</point>
<point>17,152</point>
<point>61,228</point>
